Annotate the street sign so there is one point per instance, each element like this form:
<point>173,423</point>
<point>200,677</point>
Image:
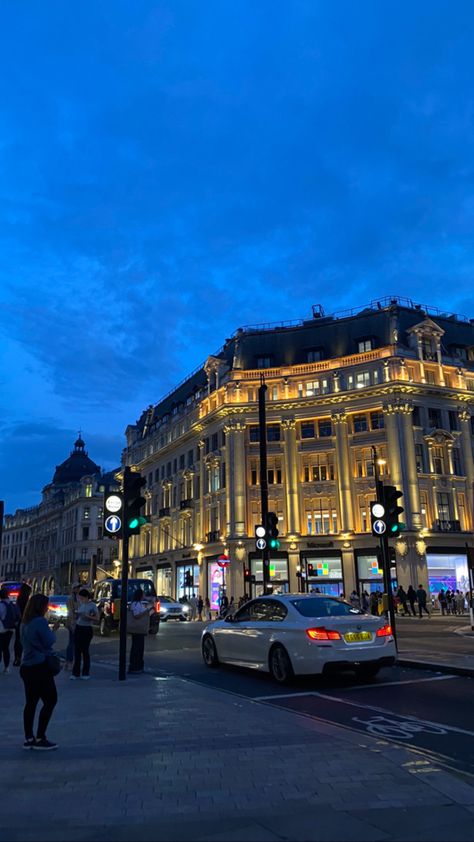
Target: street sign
<point>113,524</point>
<point>113,503</point>
<point>223,560</point>
<point>379,527</point>
<point>260,543</point>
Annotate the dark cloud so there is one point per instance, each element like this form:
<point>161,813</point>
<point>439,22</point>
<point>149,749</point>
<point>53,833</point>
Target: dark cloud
<point>173,170</point>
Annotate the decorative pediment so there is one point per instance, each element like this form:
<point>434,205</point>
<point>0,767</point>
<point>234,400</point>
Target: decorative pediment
<point>440,437</point>
<point>427,327</point>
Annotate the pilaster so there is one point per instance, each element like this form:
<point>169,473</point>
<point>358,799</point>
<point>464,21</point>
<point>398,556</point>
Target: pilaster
<point>291,475</point>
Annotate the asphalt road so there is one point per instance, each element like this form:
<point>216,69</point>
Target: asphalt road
<point>425,710</point>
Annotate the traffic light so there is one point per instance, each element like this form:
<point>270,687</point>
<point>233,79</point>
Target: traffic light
<point>391,495</point>
<point>247,576</point>
<point>272,531</point>
<point>134,503</point>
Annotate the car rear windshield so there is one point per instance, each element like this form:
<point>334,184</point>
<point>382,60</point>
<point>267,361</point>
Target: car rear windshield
<point>165,599</point>
<point>321,607</point>
<point>145,585</point>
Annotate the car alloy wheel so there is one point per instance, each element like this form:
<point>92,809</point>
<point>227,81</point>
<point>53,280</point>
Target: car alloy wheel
<point>209,652</point>
<point>280,665</point>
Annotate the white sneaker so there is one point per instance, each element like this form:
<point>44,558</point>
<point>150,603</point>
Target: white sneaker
<point>73,678</point>
<point>6,671</point>
<point>85,677</point>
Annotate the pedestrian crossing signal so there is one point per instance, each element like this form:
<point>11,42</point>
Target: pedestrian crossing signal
<point>391,496</point>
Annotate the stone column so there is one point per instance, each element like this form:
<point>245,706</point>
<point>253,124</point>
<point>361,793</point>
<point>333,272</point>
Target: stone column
<point>291,476</point>
<point>202,480</point>
<point>236,502</point>
<point>391,413</point>
<point>413,514</point>
<point>344,471</point>
<point>465,424</point>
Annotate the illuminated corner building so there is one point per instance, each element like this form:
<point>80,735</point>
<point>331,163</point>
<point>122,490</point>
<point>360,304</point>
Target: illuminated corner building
<point>54,543</point>
<point>395,376</point>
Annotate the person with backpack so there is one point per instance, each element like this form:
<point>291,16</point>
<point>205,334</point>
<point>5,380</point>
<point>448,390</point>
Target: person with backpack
<point>9,617</point>
<point>36,671</point>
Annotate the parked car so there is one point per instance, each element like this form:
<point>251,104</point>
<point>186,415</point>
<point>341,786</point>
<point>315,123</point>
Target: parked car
<point>300,634</point>
<point>12,587</point>
<point>107,596</point>
<point>171,610</point>
<point>57,609</point>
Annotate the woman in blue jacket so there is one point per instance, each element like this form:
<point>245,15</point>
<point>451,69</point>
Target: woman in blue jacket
<point>37,640</point>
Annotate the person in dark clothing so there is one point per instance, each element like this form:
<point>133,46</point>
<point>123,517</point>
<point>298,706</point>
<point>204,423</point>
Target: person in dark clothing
<point>449,601</point>
<point>412,599</point>
<point>442,601</point>
<point>421,597</point>
<point>37,640</point>
<point>21,601</point>
<point>140,618</point>
<point>87,614</point>
<point>402,596</point>
<point>200,606</point>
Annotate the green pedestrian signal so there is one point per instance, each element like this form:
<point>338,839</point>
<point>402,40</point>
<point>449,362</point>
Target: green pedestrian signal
<point>134,503</point>
<point>391,496</point>
<point>272,531</point>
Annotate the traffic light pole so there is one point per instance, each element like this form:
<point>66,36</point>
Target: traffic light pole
<point>262,422</point>
<point>385,550</point>
<point>124,593</point>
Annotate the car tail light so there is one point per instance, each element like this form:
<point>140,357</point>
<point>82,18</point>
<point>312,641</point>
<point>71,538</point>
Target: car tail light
<point>323,634</point>
<point>13,594</point>
<point>112,606</point>
<point>157,606</point>
<point>385,631</point>
<point>54,607</point>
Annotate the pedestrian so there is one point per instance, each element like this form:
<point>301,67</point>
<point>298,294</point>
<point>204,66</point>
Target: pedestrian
<point>87,612</point>
<point>72,606</point>
<point>412,599</point>
<point>442,601</point>
<point>449,601</point>
<point>365,601</point>
<point>354,599</point>
<point>21,602</point>
<point>454,601</point>
<point>224,604</point>
<point>37,641</point>
<point>402,596</point>
<point>200,606</point>
<point>207,607</point>
<point>460,602</point>
<point>9,617</point>
<point>138,625</point>
<point>421,597</point>
<point>231,608</point>
<point>374,603</point>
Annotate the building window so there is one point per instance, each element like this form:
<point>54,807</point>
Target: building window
<point>190,458</point>
<point>214,442</point>
<point>434,417</point>
<point>254,476</point>
<point>274,475</point>
<point>314,356</point>
<point>443,506</point>
<point>377,421</point>
<point>88,490</point>
<point>254,433</point>
<point>438,459</point>
<point>457,462</point>
<point>416,416</point>
<point>322,520</point>
<point>420,458</point>
<point>325,428</point>
<point>307,430</point>
<point>362,379</point>
<point>319,473</point>
<point>360,423</point>
<point>181,462</point>
<point>264,362</point>
<point>462,512</point>
<point>274,394</point>
<point>273,432</point>
<point>453,420</point>
<point>364,345</point>
<point>85,533</point>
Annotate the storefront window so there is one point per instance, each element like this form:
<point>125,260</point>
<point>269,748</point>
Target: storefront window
<point>370,575</point>
<point>447,571</point>
<point>215,583</point>
<point>182,589</point>
<point>278,575</point>
<point>324,575</point>
<point>163,581</point>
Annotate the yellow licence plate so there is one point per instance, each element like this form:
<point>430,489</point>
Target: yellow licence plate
<point>355,637</point>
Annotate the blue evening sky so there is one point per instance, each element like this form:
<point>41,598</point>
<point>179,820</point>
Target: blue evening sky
<point>173,169</point>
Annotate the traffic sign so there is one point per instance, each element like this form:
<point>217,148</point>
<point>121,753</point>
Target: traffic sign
<point>379,527</point>
<point>223,560</point>
<point>113,524</point>
<point>261,543</point>
<point>260,531</point>
<point>378,510</point>
<point>113,503</point>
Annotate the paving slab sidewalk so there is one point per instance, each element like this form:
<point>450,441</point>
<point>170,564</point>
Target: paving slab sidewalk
<point>168,759</point>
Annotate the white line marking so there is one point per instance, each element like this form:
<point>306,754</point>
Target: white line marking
<point>394,713</point>
<point>356,687</point>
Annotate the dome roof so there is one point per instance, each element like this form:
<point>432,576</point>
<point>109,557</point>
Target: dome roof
<point>77,465</point>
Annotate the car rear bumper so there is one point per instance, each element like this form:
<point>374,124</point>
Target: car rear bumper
<point>341,666</point>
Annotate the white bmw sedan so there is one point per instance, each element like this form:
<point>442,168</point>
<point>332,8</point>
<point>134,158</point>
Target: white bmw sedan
<point>300,634</point>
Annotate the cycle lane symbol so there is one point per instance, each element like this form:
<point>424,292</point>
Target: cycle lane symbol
<point>398,729</point>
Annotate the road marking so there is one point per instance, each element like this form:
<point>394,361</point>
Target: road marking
<point>356,687</point>
<point>394,713</point>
